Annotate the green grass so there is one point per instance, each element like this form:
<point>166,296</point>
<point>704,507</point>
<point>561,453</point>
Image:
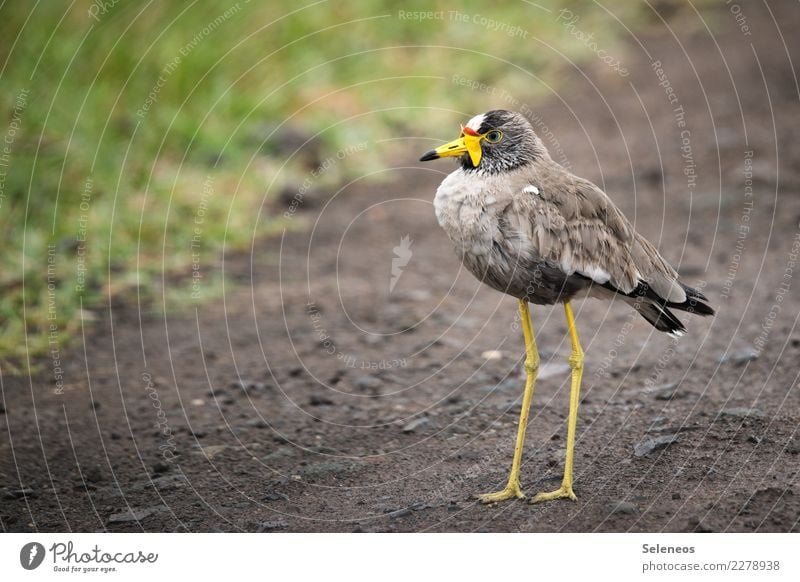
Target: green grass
<point>109,183</point>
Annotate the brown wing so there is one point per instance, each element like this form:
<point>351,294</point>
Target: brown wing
<point>573,224</point>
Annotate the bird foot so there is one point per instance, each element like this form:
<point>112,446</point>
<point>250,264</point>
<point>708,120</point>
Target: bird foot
<point>510,491</point>
<point>562,492</point>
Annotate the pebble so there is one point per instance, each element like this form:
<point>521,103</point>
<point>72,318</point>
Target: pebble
<point>365,383</point>
<point>133,515</point>
<point>492,355</point>
<point>740,356</point>
<point>649,445</point>
<point>623,507</point>
<point>19,493</point>
<point>168,482</point>
<point>669,392</point>
<point>399,513</point>
<point>371,339</point>
<point>265,526</point>
<point>317,400</point>
<point>698,526</point>
<point>275,497</point>
<point>416,423</point>
<point>248,386</point>
<point>673,429</point>
<point>93,474</point>
<point>742,412</point>
<point>211,451</point>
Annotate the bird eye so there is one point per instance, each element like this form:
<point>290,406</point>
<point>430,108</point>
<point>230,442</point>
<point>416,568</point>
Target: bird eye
<point>494,136</point>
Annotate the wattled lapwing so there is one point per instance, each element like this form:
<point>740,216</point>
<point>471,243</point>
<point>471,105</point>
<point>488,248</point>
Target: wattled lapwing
<point>525,226</point>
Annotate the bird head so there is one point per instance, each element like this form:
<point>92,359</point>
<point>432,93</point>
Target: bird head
<point>493,142</point>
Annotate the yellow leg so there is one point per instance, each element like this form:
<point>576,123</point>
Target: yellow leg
<point>576,363</point>
<point>513,489</point>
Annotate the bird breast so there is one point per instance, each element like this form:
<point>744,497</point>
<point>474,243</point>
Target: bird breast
<point>467,207</point>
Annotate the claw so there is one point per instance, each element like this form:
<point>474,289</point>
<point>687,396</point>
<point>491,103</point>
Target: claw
<point>562,492</point>
<point>507,493</point>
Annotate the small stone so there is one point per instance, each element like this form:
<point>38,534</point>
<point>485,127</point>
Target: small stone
<point>19,493</point>
<point>317,400</point>
<point>793,447</point>
<point>212,451</point>
<point>742,412</point>
<point>399,513</point>
<point>673,429</point>
<point>698,526</point>
<point>275,497</point>
<point>492,355</point>
<point>248,386</point>
<point>622,507</point>
<point>169,482</point>
<point>415,424</point>
<point>93,474</point>
<point>650,445</point>
<point>668,392</point>
<point>366,383</point>
<point>131,516</point>
<point>740,356</point>
<point>197,402</point>
<point>265,526</point>
<point>160,467</point>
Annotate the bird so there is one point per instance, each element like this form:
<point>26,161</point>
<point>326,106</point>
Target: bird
<point>526,226</point>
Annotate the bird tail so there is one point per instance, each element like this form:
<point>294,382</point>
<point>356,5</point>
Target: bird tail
<point>660,318</point>
<point>695,302</point>
<point>658,314</point>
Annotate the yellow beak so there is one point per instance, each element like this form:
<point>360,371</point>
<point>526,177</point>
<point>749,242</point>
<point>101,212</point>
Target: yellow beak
<point>464,144</point>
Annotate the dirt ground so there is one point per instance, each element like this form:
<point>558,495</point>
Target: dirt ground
<point>314,398</point>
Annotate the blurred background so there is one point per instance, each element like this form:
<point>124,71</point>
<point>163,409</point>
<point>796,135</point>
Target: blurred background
<point>118,113</point>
